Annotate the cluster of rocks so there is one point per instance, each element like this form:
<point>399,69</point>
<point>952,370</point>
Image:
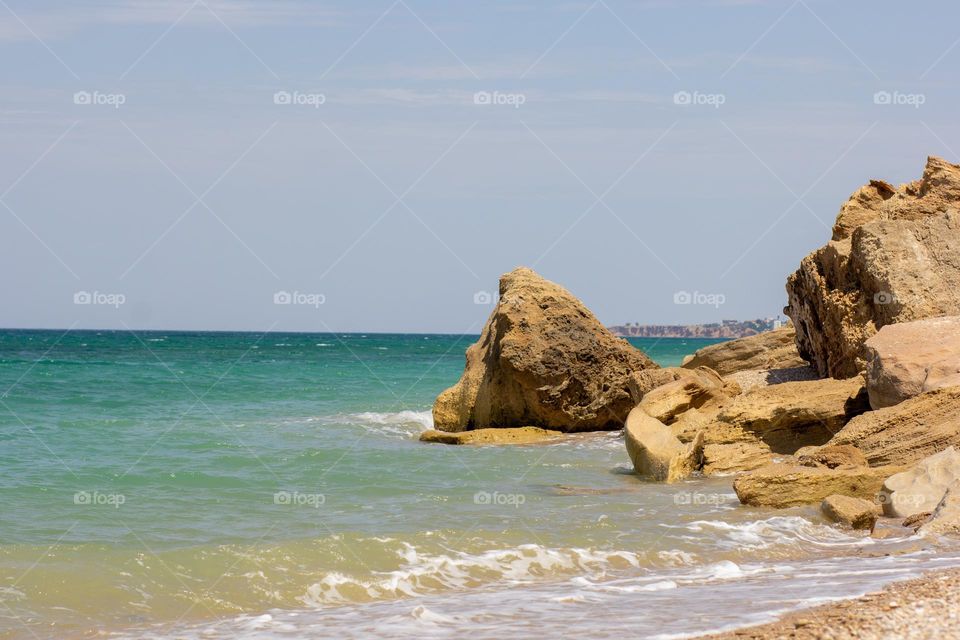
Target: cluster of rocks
<point>856,405</point>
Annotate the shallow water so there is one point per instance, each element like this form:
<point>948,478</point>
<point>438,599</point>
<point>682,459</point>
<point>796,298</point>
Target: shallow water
<point>243,485</point>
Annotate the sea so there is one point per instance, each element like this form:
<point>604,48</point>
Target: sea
<point>271,485</point>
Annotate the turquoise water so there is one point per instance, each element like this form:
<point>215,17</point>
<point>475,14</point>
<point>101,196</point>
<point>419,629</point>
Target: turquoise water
<point>179,484</point>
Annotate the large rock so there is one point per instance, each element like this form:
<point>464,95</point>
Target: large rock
<point>786,485</point>
<point>908,432</point>
<point>701,387</point>
<point>894,257</point>
<point>832,456</point>
<point>920,488</point>
<point>510,435</point>
<point>945,519</point>
<point>657,453</point>
<point>775,349</point>
<point>542,360</point>
<point>792,415</point>
<point>855,513</point>
<point>906,359</point>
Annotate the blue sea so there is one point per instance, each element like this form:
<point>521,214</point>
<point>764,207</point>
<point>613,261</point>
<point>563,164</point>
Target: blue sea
<point>245,485</point>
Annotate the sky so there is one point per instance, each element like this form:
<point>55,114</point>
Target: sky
<point>366,166</point>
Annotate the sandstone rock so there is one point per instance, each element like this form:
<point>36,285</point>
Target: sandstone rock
<point>700,388</point>
<point>726,459</point>
<point>639,383</point>
<point>906,359</point>
<point>542,360</point>
<point>831,456</point>
<point>855,513</point>
<point>908,432</point>
<point>786,485</point>
<point>945,519</point>
<point>769,350</point>
<point>920,488</point>
<point>894,257</point>
<point>766,377</point>
<point>917,520</point>
<point>512,435</point>
<point>656,452</point>
<point>792,415</point>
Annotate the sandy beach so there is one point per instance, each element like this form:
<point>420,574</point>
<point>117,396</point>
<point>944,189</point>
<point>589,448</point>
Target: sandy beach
<point>925,607</point>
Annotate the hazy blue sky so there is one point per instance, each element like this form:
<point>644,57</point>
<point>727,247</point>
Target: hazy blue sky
<point>147,152</point>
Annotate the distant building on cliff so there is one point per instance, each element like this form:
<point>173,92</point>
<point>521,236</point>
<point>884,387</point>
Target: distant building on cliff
<point>722,329</point>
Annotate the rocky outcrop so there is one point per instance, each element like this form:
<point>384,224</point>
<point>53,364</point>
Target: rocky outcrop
<point>894,257</point>
<point>855,513</point>
<point>832,456</point>
<point>700,388</point>
<point>945,519</point>
<point>920,488</point>
<point>775,349</point>
<point>542,360</point>
<point>907,359</point>
<point>792,415</point>
<point>656,453</point>
<point>908,432</point>
<point>786,485</point>
<point>510,435</point>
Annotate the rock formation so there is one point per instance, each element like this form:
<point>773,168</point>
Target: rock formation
<point>786,485</point>
<point>906,359</point>
<point>510,435</point>
<point>700,388</point>
<point>855,513</point>
<point>775,349</point>
<point>542,360</point>
<point>894,257</point>
<point>920,488</point>
<point>655,452</point>
<point>945,519</point>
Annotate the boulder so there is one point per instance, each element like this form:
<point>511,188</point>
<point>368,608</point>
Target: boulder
<point>775,349</point>
<point>945,519</point>
<point>727,459</point>
<point>656,452</point>
<point>701,387</point>
<point>894,257</point>
<point>512,435</point>
<point>542,360</point>
<point>641,382</point>
<point>855,513</point>
<point>788,485</point>
<point>792,415</point>
<point>920,488</point>
<point>906,359</point>
<point>832,456</point>
<point>908,432</point>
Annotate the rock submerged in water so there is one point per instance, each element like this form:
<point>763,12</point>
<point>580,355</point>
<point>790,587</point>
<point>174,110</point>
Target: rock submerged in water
<point>894,257</point>
<point>783,485</point>
<point>542,360</point>
<point>510,435</point>
<point>855,513</point>
<point>656,453</point>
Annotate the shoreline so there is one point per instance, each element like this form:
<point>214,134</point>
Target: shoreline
<point>927,606</point>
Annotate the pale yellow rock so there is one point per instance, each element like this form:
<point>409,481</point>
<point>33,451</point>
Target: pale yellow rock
<point>831,456</point>
<point>855,513</point>
<point>702,387</point>
<point>511,435</point>
<point>655,452</point>
<point>542,360</point>
<point>920,488</point>
<point>787,485</point>
<point>775,349</point>
<point>910,358</point>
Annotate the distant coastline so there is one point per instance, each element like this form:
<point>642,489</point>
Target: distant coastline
<point>722,329</point>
